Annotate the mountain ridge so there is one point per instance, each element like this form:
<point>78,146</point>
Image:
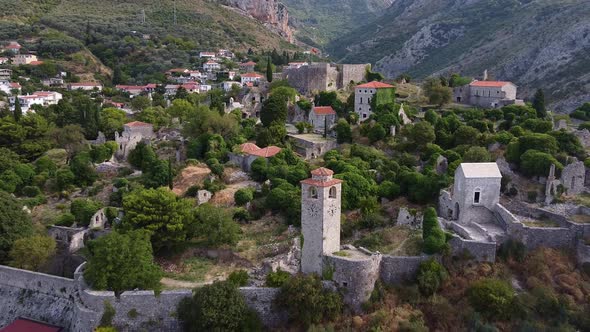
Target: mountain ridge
<point>537,44</point>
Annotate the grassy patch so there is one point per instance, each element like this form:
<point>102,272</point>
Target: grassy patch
<point>341,254</point>
<point>193,269</point>
<point>540,223</point>
<point>395,240</point>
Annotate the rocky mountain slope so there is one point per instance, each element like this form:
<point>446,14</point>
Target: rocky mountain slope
<point>319,21</point>
<point>271,13</point>
<point>535,43</point>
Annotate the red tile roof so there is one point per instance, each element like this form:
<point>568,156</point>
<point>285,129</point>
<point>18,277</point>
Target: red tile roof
<point>489,84</point>
<point>35,63</point>
<point>322,171</point>
<point>15,85</point>
<point>14,45</point>
<point>137,124</point>
<point>249,63</point>
<point>324,110</point>
<point>129,87</point>
<point>319,183</point>
<point>249,147</point>
<point>252,75</point>
<point>27,325</point>
<point>266,152</point>
<point>86,84</point>
<point>375,85</point>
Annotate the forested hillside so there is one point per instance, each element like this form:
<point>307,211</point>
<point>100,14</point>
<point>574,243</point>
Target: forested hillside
<point>140,36</point>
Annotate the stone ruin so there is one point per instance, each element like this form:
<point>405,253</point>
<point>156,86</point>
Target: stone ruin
<point>573,180</point>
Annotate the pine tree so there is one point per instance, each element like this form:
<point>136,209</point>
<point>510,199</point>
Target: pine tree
<point>117,75</point>
<point>269,71</point>
<point>539,104</point>
<point>18,112</point>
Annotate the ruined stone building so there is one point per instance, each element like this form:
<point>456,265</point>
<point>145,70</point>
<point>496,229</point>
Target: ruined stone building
<point>322,117</point>
<point>133,133</point>
<point>363,95</point>
<point>248,152</point>
<point>488,94</point>
<point>324,76</point>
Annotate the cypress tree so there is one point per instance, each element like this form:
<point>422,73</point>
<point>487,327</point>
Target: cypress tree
<point>539,103</point>
<point>269,71</point>
<point>18,111</point>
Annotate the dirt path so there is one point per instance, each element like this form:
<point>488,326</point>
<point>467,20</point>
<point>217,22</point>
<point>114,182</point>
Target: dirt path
<point>177,284</point>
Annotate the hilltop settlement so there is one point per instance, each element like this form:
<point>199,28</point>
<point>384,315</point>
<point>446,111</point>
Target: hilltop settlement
<point>256,190</point>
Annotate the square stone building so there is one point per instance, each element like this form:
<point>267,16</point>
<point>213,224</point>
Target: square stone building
<point>477,187</point>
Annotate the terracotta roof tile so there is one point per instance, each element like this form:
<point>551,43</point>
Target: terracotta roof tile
<point>319,183</point>
<point>322,171</point>
<point>375,85</point>
<point>137,124</point>
<point>249,147</point>
<point>266,152</point>
<point>323,110</point>
<point>489,84</point>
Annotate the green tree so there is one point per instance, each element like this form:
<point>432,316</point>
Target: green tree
<point>111,121</point>
<point>216,225</point>
<point>268,71</point>
<point>355,188</point>
<point>140,103</point>
<point>419,134</point>
<point>274,110</point>
<point>217,307</point>
<point>18,111</point>
<point>70,137</point>
<point>83,171</point>
<point>376,133</point>
<point>14,224</point>
<point>120,262</point>
<point>307,301</point>
<point>83,209</point>
<point>166,217</point>
<point>492,298</point>
<point>537,163</point>
<point>157,116</point>
<point>243,196</point>
<point>539,104</point>
<point>436,92</point>
<point>477,154</point>
<point>431,275</point>
<point>32,252</point>
<point>181,93</point>
<point>343,132</point>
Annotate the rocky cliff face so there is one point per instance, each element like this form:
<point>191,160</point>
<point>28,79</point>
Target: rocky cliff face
<point>271,13</point>
<point>534,43</point>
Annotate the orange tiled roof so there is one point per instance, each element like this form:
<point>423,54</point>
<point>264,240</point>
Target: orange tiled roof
<point>375,85</point>
<point>266,152</point>
<point>489,84</point>
<point>137,124</point>
<point>324,110</point>
<point>322,171</point>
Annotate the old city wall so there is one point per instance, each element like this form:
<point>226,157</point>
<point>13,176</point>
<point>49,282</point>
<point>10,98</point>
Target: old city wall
<point>356,276</point>
<point>352,73</point>
<point>398,269</point>
<point>70,304</point>
<point>480,251</point>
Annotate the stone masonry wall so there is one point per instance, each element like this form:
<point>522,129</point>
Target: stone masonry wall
<point>355,276</point>
<point>70,304</point>
<point>481,251</point>
<point>395,269</point>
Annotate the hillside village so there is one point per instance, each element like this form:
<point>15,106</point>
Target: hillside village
<point>275,190</point>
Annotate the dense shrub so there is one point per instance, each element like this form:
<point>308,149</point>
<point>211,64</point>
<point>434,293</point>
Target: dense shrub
<point>512,249</point>
<point>493,298</point>
<point>307,301</point>
<point>239,278</point>
<point>431,275</point>
<point>217,307</point>
<point>277,278</point>
<point>243,196</point>
<point>434,237</point>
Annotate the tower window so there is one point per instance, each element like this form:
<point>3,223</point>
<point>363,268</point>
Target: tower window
<point>476,197</point>
<point>332,193</point>
<point>313,192</point>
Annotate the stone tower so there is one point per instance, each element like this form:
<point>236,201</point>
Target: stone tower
<point>320,218</point>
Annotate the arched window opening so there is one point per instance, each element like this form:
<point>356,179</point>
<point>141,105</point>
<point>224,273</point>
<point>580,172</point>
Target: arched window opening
<point>313,192</point>
<point>332,193</point>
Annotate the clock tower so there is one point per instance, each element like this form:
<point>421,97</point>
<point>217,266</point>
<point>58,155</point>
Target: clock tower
<point>320,218</point>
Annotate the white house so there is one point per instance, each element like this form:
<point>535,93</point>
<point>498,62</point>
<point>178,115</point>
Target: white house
<point>209,55</point>
<point>251,78</point>
<point>13,47</point>
<point>43,98</point>
<point>7,86</point>
<point>363,94</point>
<point>490,94</point>
<point>3,60</point>
<point>85,86</point>
<point>227,85</point>
<point>211,66</point>
<point>24,59</point>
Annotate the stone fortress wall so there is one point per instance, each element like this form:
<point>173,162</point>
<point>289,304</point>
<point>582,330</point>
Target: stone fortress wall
<point>71,304</point>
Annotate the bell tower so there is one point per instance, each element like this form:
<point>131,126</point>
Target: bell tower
<point>320,218</point>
